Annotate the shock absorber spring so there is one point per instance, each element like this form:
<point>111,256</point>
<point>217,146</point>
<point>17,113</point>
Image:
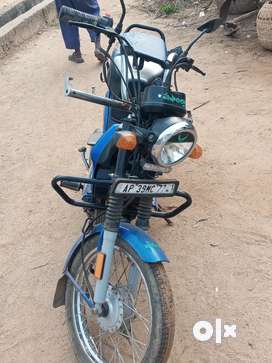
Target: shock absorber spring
<point>114,213</point>
<point>144,213</point>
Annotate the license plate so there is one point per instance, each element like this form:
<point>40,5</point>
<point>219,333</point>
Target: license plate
<point>143,187</point>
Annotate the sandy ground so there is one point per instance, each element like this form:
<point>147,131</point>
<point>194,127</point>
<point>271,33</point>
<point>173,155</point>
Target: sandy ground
<point>220,249</point>
<point>7,4</point>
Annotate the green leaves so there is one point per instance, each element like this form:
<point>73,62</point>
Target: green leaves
<point>169,8</point>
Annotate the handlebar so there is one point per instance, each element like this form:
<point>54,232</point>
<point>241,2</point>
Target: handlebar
<point>84,96</point>
<point>68,14</point>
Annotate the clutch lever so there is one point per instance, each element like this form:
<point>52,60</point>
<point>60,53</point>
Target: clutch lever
<point>197,70</point>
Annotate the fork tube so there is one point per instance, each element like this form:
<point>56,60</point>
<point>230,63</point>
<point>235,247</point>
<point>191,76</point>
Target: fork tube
<point>112,221</point>
<point>111,227</point>
<point>101,287</point>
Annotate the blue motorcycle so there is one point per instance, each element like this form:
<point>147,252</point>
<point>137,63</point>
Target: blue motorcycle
<point>118,299</point>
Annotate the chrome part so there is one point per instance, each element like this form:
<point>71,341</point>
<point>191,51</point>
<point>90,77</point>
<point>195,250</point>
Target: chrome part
<point>183,126</point>
<point>114,319</point>
<point>156,168</point>
<point>82,151</point>
<point>148,74</point>
<point>166,72</point>
<point>130,341</point>
<point>101,287</point>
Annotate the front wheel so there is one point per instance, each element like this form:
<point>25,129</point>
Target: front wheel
<point>139,326</point>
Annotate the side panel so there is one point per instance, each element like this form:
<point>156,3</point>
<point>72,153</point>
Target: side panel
<point>102,143</point>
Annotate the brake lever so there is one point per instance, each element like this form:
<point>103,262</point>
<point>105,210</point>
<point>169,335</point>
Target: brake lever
<point>197,70</point>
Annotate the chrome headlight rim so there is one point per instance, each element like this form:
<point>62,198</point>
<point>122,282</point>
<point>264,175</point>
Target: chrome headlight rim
<point>183,125</point>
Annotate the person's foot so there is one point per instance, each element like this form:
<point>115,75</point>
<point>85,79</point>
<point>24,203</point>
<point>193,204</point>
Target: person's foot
<point>100,54</point>
<point>230,29</point>
<point>76,57</point>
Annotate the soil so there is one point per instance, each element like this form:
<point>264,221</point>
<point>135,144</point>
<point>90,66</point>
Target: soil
<point>7,4</point>
<point>220,249</point>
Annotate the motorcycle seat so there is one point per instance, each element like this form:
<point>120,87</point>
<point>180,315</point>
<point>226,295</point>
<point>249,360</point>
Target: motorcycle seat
<point>147,46</point>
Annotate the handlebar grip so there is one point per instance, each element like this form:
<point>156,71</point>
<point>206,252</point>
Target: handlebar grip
<point>196,69</point>
<point>69,14</point>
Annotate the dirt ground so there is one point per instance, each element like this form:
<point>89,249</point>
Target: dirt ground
<point>7,4</point>
<point>220,249</point>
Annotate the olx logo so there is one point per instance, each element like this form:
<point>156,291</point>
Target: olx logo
<point>204,331</point>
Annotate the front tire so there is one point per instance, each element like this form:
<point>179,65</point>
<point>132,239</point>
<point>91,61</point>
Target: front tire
<point>119,345</point>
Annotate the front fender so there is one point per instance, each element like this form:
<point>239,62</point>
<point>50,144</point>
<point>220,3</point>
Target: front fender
<point>147,249</point>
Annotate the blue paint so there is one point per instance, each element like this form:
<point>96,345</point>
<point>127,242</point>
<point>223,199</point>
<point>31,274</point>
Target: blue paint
<point>87,193</point>
<point>107,114</point>
<point>144,245</point>
<point>85,297</point>
<point>100,241</point>
<point>102,143</point>
<point>146,248</point>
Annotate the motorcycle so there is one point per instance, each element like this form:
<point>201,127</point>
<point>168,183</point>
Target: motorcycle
<point>118,299</point>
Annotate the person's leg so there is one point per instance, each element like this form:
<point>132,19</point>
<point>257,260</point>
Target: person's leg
<point>70,34</point>
<point>92,7</point>
<point>224,10</point>
<point>230,27</point>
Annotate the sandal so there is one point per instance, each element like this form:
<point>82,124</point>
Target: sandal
<point>100,54</point>
<point>76,58</point>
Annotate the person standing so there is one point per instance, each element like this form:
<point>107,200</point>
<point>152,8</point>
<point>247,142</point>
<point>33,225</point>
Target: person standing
<point>70,33</point>
<point>224,9</point>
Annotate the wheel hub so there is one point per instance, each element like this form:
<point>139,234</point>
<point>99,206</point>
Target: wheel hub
<point>113,321</point>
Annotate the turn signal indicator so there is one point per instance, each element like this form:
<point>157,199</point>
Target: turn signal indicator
<point>127,140</point>
<point>196,153</point>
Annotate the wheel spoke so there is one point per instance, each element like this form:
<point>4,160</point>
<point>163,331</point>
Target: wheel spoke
<point>135,343</point>
<point>115,265</point>
<point>142,318</point>
<point>129,338</point>
<point>129,344</point>
<point>124,269</point>
<point>102,334</point>
<point>138,291</point>
<point>116,350</point>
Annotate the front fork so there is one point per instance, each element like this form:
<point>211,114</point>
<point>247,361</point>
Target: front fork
<point>112,221</point>
<point>111,227</point>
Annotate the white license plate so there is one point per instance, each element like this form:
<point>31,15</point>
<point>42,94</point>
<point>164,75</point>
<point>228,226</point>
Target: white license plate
<point>145,188</point>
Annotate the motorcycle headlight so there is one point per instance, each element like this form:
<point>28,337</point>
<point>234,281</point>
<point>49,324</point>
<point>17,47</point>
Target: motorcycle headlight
<point>176,140</point>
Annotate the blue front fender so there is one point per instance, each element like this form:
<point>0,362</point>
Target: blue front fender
<point>146,248</point>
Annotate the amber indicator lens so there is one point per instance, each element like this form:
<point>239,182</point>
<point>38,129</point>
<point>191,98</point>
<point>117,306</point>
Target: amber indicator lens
<point>127,141</point>
<point>99,268</point>
<point>197,152</point>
